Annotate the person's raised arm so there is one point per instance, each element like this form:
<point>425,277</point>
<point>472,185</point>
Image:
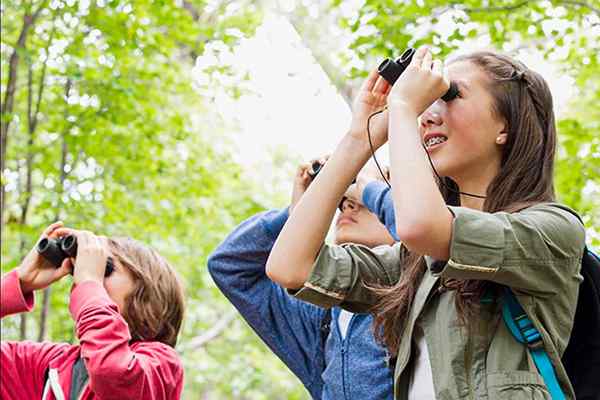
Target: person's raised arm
<point>423,221</point>
<point>298,244</point>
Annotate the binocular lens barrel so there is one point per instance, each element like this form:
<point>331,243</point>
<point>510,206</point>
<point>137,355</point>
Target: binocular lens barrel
<point>391,70</point>
<point>51,251</point>
<point>69,245</point>
<point>315,168</point>
<point>56,250</point>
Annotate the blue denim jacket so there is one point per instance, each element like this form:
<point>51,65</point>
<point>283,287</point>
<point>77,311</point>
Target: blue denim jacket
<point>355,367</point>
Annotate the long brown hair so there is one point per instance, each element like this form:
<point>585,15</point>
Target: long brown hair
<point>522,99</point>
<point>154,308</point>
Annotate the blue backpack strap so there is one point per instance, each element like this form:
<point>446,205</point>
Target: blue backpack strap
<point>525,332</point>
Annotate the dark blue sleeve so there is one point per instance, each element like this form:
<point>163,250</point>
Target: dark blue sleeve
<point>290,327</point>
<point>377,196</point>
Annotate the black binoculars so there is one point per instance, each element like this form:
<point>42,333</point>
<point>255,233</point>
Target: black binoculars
<point>56,250</point>
<point>315,168</point>
<point>391,70</point>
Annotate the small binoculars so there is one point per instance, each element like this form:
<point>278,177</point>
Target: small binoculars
<point>391,70</point>
<point>56,250</point>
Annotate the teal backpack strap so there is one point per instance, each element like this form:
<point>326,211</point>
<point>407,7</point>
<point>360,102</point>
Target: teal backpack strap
<point>525,332</point>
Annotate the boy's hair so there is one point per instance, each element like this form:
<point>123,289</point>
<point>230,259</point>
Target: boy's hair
<point>154,308</point>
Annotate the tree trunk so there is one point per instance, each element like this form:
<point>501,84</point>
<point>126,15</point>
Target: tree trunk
<point>6,107</point>
<point>63,176</point>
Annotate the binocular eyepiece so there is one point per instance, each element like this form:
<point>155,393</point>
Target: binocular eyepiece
<point>56,250</point>
<point>391,70</point>
<point>315,168</point>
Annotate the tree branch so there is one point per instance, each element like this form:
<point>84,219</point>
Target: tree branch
<point>215,331</point>
<point>581,4</point>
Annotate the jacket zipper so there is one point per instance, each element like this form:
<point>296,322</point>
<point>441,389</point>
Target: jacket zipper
<point>344,342</point>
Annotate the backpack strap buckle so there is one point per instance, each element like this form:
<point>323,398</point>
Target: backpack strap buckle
<point>531,336</point>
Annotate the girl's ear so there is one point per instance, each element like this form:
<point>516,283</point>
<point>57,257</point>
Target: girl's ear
<point>502,138</point>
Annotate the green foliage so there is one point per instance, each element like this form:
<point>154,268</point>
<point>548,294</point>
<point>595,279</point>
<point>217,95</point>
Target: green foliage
<point>118,148</point>
<point>564,32</point>
<point>118,152</point>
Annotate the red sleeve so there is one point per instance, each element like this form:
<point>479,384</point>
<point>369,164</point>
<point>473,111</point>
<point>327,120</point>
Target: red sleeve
<point>22,364</point>
<point>12,299</point>
<point>148,370</point>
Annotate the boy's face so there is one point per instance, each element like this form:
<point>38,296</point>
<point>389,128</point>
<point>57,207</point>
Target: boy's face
<point>356,224</point>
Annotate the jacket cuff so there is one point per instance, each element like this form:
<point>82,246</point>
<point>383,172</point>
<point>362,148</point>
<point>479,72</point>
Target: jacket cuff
<point>373,196</point>
<point>274,221</point>
<point>85,294</point>
<point>323,288</point>
<point>476,247</point>
<point>13,298</point>
<point>378,199</point>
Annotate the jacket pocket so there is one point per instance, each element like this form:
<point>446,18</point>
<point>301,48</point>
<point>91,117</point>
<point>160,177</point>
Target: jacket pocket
<point>516,385</point>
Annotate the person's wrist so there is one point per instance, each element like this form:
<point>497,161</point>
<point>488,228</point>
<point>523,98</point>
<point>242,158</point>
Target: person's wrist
<point>84,277</point>
<point>399,106</point>
<point>26,287</point>
<point>356,143</point>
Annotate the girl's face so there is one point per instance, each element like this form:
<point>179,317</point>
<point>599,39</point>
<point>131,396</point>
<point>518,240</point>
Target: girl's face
<point>469,136</point>
<point>119,284</point>
<point>356,224</point>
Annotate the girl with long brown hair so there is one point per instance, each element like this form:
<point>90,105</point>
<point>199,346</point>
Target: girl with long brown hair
<point>474,205</point>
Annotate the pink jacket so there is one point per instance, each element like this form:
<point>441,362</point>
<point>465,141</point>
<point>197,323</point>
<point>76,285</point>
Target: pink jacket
<point>117,369</point>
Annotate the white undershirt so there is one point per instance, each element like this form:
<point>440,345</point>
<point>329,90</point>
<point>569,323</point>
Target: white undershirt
<point>344,322</point>
<point>421,384</point>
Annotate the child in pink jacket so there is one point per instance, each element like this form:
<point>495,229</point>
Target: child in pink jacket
<point>127,324</point>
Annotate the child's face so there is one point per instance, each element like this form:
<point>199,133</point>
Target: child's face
<point>468,123</point>
<point>356,224</point>
<point>119,284</point>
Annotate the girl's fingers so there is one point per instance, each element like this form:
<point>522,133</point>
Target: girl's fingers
<point>419,55</point>
<point>388,89</point>
<point>369,83</point>
<point>426,64</point>
<point>437,67</point>
<point>51,228</point>
<point>381,86</point>
<point>65,268</point>
<point>64,231</point>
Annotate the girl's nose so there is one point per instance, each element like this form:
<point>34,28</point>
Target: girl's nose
<point>432,116</point>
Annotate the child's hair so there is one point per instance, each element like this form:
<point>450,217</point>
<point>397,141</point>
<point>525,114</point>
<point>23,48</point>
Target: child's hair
<point>522,98</point>
<point>154,309</point>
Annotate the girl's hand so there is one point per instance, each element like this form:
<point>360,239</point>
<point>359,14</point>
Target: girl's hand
<point>302,180</point>
<point>92,253</point>
<point>35,272</point>
<point>371,98</point>
<point>421,84</point>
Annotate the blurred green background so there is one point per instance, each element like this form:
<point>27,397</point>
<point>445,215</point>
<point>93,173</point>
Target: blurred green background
<point>106,126</point>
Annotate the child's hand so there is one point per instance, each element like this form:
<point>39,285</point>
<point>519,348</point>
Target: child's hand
<point>35,272</point>
<point>92,253</point>
<point>302,180</point>
<point>372,97</point>
<point>421,84</point>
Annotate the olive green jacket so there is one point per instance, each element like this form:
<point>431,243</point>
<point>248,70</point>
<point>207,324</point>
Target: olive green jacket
<point>536,252</point>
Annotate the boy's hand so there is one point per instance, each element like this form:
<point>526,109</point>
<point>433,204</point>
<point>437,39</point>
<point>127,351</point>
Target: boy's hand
<point>35,272</point>
<point>92,253</point>
<point>302,180</point>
